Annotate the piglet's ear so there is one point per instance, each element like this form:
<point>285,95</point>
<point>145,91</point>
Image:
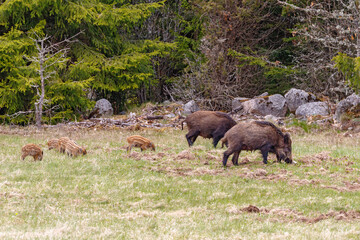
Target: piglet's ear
<point>287,138</point>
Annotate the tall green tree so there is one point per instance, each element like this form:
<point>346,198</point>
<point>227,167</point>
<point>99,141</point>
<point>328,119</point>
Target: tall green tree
<point>104,58</point>
<point>243,51</point>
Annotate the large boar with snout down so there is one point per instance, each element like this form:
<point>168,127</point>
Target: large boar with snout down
<point>257,135</point>
<point>207,124</point>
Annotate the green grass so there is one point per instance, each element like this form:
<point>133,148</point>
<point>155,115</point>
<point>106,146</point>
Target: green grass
<point>158,195</point>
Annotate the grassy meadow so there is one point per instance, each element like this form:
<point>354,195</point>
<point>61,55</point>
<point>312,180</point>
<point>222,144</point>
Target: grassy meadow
<point>177,192</point>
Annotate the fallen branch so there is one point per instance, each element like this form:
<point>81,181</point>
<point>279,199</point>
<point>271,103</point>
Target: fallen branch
<point>154,117</point>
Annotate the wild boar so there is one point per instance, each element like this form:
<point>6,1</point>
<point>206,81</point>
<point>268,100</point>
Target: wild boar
<point>257,135</point>
<point>53,143</point>
<point>62,142</point>
<point>73,149</point>
<point>139,141</point>
<point>32,150</point>
<point>207,124</point>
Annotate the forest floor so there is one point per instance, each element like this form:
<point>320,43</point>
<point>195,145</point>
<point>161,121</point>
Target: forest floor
<point>177,192</point>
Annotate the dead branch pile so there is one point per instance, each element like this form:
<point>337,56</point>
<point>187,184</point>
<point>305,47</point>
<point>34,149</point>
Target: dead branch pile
<point>152,116</point>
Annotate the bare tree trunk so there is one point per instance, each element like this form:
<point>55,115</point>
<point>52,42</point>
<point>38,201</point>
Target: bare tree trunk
<point>49,54</point>
<point>357,32</point>
<point>39,104</point>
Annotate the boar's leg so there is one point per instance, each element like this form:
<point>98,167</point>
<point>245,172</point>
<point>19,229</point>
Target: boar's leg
<point>193,139</point>
<point>191,136</point>
<point>216,139</point>
<point>227,153</point>
<point>235,158</point>
<point>265,151</point>
<point>225,158</point>
<point>128,149</point>
<point>218,135</point>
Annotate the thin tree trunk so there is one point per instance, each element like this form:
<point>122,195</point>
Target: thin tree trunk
<point>47,51</point>
<point>40,102</point>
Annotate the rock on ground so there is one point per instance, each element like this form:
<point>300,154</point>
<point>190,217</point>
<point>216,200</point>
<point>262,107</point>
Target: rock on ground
<point>312,108</point>
<point>104,108</point>
<point>236,103</point>
<point>345,105</point>
<point>190,107</point>
<point>273,105</point>
<point>296,97</point>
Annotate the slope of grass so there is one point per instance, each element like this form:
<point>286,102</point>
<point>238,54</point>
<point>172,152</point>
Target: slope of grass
<point>177,192</point>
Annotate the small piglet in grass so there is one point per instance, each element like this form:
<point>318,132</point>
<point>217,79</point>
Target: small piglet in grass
<point>53,144</point>
<point>32,150</point>
<point>140,142</point>
<point>73,149</point>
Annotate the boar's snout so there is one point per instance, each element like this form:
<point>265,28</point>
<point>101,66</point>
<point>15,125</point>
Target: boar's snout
<point>284,154</point>
<point>288,155</point>
<point>288,160</point>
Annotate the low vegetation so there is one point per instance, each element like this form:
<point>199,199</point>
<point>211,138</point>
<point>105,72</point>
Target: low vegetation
<point>177,192</point>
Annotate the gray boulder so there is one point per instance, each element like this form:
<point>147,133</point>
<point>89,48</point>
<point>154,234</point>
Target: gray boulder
<point>273,105</point>
<point>236,103</point>
<point>263,94</point>
<point>312,108</point>
<point>346,104</point>
<point>296,97</point>
<point>190,107</point>
<point>103,108</point>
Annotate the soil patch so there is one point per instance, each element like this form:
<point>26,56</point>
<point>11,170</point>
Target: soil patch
<point>348,187</point>
<point>183,171</point>
<point>290,215</point>
<point>320,158</point>
<point>186,154</point>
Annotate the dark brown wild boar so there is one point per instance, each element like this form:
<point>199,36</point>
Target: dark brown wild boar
<point>207,124</point>
<point>257,135</point>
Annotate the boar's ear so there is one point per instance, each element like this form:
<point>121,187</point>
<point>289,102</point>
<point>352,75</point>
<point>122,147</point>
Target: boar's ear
<point>287,138</point>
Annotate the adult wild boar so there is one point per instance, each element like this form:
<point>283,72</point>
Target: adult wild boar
<point>207,124</point>
<point>257,135</point>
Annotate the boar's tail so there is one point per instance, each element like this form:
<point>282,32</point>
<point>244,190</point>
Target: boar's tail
<point>223,142</point>
<point>182,127</point>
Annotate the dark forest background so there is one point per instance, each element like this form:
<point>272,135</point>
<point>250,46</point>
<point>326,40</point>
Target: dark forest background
<point>130,52</point>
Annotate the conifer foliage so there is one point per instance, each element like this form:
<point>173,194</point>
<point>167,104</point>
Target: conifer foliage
<point>104,57</point>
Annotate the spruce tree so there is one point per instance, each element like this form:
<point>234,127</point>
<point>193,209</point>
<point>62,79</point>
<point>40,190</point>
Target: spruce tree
<point>105,58</point>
